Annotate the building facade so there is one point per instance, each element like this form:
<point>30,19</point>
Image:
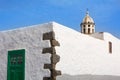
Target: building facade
<point>28,53</point>
<point>42,52</point>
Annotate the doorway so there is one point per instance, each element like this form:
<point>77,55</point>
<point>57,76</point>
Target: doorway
<point>16,65</point>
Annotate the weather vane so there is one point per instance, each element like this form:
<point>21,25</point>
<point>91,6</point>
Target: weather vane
<point>87,12</point>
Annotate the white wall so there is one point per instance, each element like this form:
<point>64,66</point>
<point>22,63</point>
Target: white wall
<point>79,54</point>
<point>82,54</point>
<point>30,39</point>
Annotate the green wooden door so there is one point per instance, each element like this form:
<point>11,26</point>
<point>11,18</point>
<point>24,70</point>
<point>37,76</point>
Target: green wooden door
<point>16,65</point>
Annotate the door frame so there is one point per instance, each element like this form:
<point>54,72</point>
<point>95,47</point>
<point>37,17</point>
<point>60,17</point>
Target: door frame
<point>12,52</point>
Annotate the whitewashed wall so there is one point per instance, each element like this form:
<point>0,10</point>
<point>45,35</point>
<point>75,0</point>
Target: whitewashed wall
<point>82,54</point>
<point>30,39</point>
<point>79,54</point>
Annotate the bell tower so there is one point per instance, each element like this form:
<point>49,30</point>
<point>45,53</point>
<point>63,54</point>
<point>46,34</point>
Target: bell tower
<point>87,25</point>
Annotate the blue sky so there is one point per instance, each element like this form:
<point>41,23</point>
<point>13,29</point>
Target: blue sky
<point>20,13</point>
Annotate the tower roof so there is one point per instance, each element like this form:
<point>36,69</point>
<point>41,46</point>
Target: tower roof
<point>87,18</point>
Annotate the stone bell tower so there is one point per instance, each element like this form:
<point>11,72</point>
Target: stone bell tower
<point>87,25</point>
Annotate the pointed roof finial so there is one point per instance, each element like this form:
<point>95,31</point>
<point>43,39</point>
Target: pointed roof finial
<point>87,12</point>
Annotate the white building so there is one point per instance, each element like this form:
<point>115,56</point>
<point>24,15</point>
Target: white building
<point>33,53</point>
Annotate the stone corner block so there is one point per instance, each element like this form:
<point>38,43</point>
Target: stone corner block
<point>55,43</point>
<point>48,50</point>
<point>49,36</point>
<point>47,78</point>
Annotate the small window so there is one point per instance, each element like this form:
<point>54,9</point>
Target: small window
<point>88,25</point>
<point>88,30</point>
<point>110,47</point>
<point>84,30</point>
<point>84,26</point>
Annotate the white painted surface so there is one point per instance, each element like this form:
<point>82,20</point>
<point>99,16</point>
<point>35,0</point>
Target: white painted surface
<point>83,54</point>
<point>30,39</point>
<point>80,54</point>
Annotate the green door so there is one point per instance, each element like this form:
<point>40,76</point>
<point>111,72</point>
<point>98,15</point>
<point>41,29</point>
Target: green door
<point>16,65</point>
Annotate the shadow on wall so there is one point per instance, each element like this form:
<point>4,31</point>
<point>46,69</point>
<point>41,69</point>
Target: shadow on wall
<point>88,77</point>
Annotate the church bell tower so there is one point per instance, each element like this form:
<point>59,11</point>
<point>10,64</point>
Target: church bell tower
<point>87,25</point>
